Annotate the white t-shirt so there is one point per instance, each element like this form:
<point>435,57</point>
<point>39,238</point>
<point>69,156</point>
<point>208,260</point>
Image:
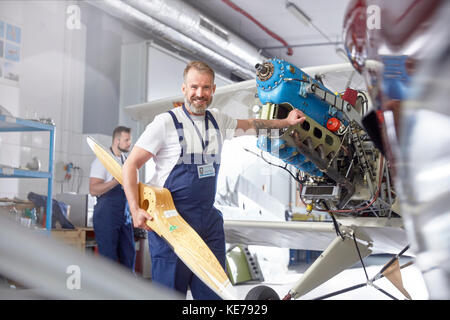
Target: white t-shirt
<point>99,171</point>
<point>161,139</point>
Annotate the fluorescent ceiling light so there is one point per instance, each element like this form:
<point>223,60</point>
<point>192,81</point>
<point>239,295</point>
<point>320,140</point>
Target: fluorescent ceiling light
<point>297,12</point>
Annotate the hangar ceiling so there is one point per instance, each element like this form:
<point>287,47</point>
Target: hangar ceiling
<point>313,44</point>
<point>234,35</point>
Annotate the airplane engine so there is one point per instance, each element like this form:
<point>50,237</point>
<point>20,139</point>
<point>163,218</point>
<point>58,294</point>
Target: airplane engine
<point>339,168</point>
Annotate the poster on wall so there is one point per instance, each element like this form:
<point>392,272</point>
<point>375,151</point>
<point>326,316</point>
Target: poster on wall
<point>13,33</point>
<point>10,52</point>
<point>11,71</point>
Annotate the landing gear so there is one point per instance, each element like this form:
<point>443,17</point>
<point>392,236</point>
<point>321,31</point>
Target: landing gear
<point>262,293</point>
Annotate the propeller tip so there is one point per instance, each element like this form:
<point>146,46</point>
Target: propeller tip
<point>90,142</point>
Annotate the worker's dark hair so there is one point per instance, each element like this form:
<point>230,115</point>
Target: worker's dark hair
<point>118,131</point>
<point>199,66</point>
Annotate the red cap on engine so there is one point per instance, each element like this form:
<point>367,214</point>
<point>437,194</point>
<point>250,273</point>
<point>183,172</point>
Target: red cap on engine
<point>333,124</point>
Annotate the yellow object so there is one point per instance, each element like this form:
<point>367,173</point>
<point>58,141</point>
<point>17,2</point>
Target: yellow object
<point>301,217</point>
<point>168,224</point>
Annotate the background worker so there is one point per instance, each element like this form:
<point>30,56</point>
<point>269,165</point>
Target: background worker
<point>112,223</point>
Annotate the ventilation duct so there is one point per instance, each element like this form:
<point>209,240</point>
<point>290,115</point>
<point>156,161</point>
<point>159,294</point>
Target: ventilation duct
<point>166,33</point>
<point>189,21</point>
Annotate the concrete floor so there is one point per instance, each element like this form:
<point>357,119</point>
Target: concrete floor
<point>281,278</point>
<point>274,266</point>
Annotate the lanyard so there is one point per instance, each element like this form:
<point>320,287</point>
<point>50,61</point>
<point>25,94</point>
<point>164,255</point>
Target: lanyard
<point>204,145</point>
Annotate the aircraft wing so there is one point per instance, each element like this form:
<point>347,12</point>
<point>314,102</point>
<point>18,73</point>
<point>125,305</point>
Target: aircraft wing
<point>289,234</point>
<point>237,99</point>
<point>384,235</point>
<point>237,94</point>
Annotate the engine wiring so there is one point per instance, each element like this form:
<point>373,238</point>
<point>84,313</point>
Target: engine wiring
<point>301,182</point>
<point>275,165</point>
<point>370,203</point>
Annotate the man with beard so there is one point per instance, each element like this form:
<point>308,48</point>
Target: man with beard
<point>185,144</point>
<point>112,222</point>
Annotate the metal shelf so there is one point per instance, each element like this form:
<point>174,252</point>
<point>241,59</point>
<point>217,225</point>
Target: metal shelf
<point>11,124</point>
<point>19,173</point>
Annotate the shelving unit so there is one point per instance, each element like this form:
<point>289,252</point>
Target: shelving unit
<point>11,124</point>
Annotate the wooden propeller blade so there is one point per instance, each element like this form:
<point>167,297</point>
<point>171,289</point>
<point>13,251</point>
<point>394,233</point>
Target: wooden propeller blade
<point>106,159</point>
<point>169,225</point>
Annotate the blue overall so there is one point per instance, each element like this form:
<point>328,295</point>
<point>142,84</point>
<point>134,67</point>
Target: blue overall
<point>113,228</point>
<point>194,200</point>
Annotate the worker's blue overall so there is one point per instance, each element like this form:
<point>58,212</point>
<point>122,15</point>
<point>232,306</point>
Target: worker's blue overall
<point>113,227</point>
<point>193,188</point>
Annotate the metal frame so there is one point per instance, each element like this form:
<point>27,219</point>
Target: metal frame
<point>11,124</point>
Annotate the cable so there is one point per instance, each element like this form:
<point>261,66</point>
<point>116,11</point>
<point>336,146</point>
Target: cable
<point>378,276</point>
<point>329,211</point>
<point>360,258</point>
<point>335,223</point>
<point>80,178</point>
<point>259,24</point>
<point>371,202</point>
<point>275,165</point>
<point>341,291</point>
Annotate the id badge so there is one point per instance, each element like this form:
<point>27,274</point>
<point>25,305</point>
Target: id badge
<point>206,170</point>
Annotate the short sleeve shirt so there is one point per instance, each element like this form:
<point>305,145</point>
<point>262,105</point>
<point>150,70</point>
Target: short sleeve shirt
<point>161,139</point>
<point>100,172</point>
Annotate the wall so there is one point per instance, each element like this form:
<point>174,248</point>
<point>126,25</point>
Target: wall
<point>64,72</point>
<point>77,77</point>
<point>82,78</point>
<point>165,70</point>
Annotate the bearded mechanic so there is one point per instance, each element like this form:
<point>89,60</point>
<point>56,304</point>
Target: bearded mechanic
<point>185,144</point>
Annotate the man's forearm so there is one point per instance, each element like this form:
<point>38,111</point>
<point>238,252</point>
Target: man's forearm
<point>130,186</point>
<point>252,126</point>
<point>259,124</point>
<point>100,188</point>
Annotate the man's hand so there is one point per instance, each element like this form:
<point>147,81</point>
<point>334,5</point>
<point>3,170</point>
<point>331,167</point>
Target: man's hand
<point>140,217</point>
<point>253,126</point>
<point>295,117</point>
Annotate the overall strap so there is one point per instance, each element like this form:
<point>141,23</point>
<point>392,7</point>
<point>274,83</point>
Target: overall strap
<point>179,128</point>
<point>210,117</point>
<point>178,125</point>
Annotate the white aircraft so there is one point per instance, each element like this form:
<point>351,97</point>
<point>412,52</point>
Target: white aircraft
<point>338,171</point>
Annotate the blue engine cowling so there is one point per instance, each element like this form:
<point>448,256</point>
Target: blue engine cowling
<point>279,82</point>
